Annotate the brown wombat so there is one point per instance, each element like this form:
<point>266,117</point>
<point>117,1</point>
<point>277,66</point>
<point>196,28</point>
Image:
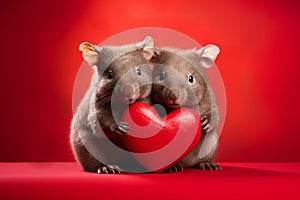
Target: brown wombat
<point>181,81</point>
<point>122,76</point>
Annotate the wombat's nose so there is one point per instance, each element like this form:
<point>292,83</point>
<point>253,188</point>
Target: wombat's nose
<point>127,91</point>
<point>174,94</point>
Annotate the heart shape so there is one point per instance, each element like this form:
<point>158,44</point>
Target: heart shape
<point>159,143</point>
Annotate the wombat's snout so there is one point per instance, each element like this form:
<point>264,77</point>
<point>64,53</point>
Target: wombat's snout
<point>173,95</point>
<point>127,91</point>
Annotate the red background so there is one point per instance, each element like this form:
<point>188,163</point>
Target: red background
<point>259,63</point>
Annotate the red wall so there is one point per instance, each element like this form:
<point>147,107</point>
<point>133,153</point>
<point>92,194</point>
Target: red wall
<point>259,62</point>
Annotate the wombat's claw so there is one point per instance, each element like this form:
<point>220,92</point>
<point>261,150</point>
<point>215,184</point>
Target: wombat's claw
<point>122,128</point>
<point>205,125</point>
<point>176,168</point>
<point>208,165</point>
<point>110,169</point>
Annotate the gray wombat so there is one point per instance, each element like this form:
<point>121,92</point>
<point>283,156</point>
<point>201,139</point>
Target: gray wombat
<point>122,76</point>
<point>180,81</point>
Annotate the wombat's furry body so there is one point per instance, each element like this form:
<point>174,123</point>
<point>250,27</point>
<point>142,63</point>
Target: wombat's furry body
<point>122,76</point>
<point>181,81</point>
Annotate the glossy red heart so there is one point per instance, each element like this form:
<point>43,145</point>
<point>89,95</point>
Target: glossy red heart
<point>158,143</point>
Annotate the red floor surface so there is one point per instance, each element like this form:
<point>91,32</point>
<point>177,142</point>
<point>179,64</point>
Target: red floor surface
<point>68,181</point>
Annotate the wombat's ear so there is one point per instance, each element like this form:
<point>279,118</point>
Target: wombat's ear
<point>208,55</point>
<point>89,53</point>
<point>149,49</point>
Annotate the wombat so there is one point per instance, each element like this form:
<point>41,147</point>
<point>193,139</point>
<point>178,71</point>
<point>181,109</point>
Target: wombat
<point>122,76</point>
<point>179,80</point>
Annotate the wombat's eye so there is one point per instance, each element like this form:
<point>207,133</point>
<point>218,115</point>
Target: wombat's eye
<point>162,76</point>
<point>138,72</point>
<point>110,74</point>
<point>191,78</point>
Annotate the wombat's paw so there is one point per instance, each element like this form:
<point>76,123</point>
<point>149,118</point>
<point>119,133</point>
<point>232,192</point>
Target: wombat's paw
<point>205,125</point>
<point>208,165</point>
<point>175,168</point>
<point>109,169</point>
<point>122,128</point>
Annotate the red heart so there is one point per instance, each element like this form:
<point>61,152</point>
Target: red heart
<point>159,143</point>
